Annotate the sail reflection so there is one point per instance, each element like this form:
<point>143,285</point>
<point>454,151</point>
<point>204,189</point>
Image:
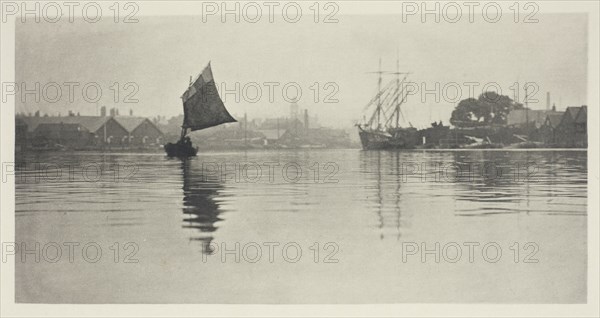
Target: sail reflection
<point>200,208</point>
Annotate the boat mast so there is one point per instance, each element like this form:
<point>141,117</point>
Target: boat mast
<point>183,132</point>
<point>183,129</point>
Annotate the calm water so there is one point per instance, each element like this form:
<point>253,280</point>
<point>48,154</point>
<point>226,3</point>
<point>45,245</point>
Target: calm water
<point>357,217</point>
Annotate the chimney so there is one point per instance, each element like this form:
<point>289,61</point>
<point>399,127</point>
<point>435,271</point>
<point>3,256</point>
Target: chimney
<point>554,107</point>
<point>306,120</point>
<point>112,112</point>
<point>130,112</point>
<point>245,128</point>
<point>103,111</point>
<point>117,111</point>
<point>547,100</point>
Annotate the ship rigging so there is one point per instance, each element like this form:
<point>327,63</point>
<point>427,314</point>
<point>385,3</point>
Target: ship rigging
<point>383,130</point>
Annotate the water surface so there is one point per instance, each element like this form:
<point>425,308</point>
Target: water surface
<point>359,209</point>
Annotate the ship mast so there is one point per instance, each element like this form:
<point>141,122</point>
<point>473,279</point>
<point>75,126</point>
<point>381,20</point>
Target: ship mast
<point>389,97</point>
<point>379,97</point>
<point>397,86</point>
<point>526,112</point>
<point>399,94</point>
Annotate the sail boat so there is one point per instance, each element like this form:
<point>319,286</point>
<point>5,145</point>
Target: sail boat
<point>202,108</point>
<point>382,130</point>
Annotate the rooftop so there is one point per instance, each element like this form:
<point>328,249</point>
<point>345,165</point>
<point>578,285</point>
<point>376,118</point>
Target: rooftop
<point>91,123</point>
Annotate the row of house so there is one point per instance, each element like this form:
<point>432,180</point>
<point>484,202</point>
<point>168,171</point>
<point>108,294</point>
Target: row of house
<point>86,131</point>
<point>558,128</point>
<point>568,129</point>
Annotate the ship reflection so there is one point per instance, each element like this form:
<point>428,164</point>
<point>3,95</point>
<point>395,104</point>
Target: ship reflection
<point>468,184</point>
<point>382,172</point>
<point>200,208</point>
<point>518,182</point>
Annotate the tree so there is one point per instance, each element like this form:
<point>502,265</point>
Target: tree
<point>489,108</point>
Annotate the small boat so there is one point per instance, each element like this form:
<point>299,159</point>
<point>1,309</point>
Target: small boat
<point>182,148</point>
<point>202,108</point>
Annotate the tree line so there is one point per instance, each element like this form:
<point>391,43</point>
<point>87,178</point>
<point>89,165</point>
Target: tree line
<point>490,108</point>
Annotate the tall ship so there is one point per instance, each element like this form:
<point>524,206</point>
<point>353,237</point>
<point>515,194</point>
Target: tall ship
<point>382,129</point>
<point>202,108</point>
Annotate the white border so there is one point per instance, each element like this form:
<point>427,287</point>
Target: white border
<point>154,8</point>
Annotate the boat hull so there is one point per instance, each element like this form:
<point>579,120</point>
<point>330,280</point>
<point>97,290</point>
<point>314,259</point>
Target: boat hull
<point>374,139</point>
<point>180,150</point>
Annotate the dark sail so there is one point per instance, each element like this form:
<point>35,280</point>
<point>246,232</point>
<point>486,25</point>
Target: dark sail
<point>202,105</point>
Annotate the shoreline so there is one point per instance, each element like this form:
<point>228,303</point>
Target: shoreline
<point>161,151</point>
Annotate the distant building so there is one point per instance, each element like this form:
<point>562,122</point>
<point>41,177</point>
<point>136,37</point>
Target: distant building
<point>20,134</point>
<point>273,123</point>
<point>519,117</point>
<point>93,124</point>
<point>435,135</point>
<point>295,126</point>
<point>549,129</point>
<point>141,131</point>
<point>91,131</point>
<point>572,130</point>
<point>271,135</point>
<point>581,126</point>
<point>566,129</point>
<point>66,134</point>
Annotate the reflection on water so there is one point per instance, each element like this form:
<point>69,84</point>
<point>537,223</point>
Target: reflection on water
<point>473,184</point>
<point>369,203</point>
<point>199,206</point>
<point>452,183</point>
<point>394,186</point>
<point>387,193</point>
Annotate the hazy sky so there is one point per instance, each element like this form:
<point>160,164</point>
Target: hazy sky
<point>159,54</point>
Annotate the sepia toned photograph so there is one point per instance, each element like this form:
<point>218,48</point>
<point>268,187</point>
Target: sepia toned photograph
<point>300,153</point>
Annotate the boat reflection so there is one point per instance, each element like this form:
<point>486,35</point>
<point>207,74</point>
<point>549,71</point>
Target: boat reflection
<point>200,208</point>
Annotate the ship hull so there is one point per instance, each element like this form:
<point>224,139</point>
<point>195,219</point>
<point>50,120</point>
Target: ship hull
<point>375,140</point>
<point>180,150</point>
